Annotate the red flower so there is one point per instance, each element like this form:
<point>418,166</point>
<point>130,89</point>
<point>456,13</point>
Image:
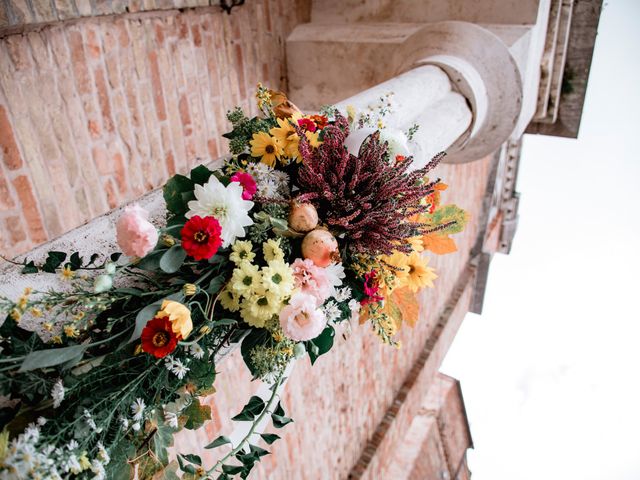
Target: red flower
<point>201,237</point>
<point>158,337</point>
<point>320,120</point>
<point>371,289</point>
<point>307,124</point>
<point>249,187</point>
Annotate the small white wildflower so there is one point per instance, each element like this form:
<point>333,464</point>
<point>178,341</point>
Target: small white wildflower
<point>72,445</point>
<point>41,421</point>
<point>90,421</point>
<point>171,419</point>
<point>125,423</point>
<point>196,351</point>
<point>98,469</point>
<point>135,426</point>
<point>103,455</point>
<point>72,465</point>
<point>343,294</point>
<point>137,409</point>
<point>57,393</point>
<point>354,306</point>
<point>331,311</point>
<point>179,369</point>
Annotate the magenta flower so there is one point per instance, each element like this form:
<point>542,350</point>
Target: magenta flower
<point>371,288</point>
<point>249,186</point>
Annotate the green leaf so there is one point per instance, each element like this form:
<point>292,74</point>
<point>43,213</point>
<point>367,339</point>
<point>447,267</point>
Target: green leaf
<point>162,440</point>
<point>172,193</point>
<point>54,260</point>
<point>269,437</point>
<point>196,414</point>
<point>51,357</point>
<point>114,257</point>
<point>224,321</point>
<point>30,267</point>
<point>151,261</point>
<point>136,292</point>
<point>172,259</point>
<point>261,452</point>
<point>257,336</point>
<point>195,459</point>
<point>221,440</point>
<point>200,174</point>
<point>278,417</point>
<point>251,410</point>
<point>216,284</point>
<point>232,469</point>
<point>202,374</point>
<point>447,214</point>
<point>144,315</point>
<point>322,343</point>
<point>75,260</point>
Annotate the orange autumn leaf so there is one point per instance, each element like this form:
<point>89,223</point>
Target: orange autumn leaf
<point>407,303</point>
<point>438,243</point>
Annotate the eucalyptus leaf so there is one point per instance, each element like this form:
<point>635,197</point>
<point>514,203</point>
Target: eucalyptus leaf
<point>215,285</point>
<point>172,259</point>
<point>51,357</point>
<point>144,315</point>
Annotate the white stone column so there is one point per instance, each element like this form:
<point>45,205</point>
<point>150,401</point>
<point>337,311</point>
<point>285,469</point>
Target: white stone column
<point>422,96</point>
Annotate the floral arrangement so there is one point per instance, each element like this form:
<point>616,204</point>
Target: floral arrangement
<point>314,221</point>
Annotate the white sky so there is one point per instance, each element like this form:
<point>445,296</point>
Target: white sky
<point>551,370</point>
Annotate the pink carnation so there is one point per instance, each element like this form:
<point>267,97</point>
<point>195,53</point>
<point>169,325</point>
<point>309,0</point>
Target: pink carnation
<point>249,186</point>
<point>311,279</point>
<point>301,319</point>
<point>136,235</point>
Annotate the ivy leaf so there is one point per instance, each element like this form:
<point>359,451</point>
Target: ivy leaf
<point>251,410</point>
<point>162,440</point>
<point>114,257</point>
<point>172,259</point>
<point>53,261</point>
<point>144,315</point>
<point>30,267</point>
<point>261,452</point>
<point>221,440</point>
<point>196,414</point>
<point>190,457</point>
<point>200,174</point>
<point>232,469</point>
<point>321,344</point>
<point>172,193</point>
<point>448,214</point>
<point>75,261</point>
<point>51,357</point>
<point>278,418</point>
<point>269,437</point>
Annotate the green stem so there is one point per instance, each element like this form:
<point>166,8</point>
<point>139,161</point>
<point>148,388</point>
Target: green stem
<point>256,422</point>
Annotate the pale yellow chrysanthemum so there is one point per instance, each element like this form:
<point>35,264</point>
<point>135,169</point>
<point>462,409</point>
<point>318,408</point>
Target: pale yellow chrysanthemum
<point>241,250</point>
<point>277,278</point>
<point>266,147</point>
<point>264,304</point>
<point>245,278</point>
<point>313,138</point>
<point>272,251</point>
<point>230,300</point>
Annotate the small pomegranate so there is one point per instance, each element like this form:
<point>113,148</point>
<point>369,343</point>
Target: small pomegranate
<point>320,247</point>
<point>303,217</point>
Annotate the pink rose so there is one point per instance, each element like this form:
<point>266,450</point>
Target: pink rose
<point>301,319</point>
<point>136,235</point>
<point>311,279</point>
<point>249,187</point>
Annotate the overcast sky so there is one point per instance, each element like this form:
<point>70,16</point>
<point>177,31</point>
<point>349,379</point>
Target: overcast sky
<point>551,370</point>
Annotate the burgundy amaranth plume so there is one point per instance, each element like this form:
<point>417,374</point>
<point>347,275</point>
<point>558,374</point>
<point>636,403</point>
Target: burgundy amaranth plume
<point>367,196</point>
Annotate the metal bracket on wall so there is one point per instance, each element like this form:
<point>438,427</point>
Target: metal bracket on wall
<point>227,5</point>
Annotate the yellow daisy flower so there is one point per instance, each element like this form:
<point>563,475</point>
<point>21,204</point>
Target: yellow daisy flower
<point>266,147</point>
<point>245,278</point>
<point>71,331</point>
<point>418,274</point>
<point>241,250</point>
<point>263,304</point>
<point>313,138</point>
<point>277,278</point>
<point>286,135</point>
<point>67,273</point>
<point>272,251</point>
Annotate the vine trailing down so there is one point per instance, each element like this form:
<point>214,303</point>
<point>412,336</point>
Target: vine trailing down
<point>314,221</point>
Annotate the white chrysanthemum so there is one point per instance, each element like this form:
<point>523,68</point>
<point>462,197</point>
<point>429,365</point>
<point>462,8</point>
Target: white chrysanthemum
<point>98,470</point>
<point>125,423</point>
<point>331,311</point>
<point>90,421</point>
<point>135,426</point>
<point>225,204</point>
<point>57,393</point>
<point>179,369</point>
<point>343,294</point>
<point>196,351</point>
<point>335,274</point>
<point>137,409</point>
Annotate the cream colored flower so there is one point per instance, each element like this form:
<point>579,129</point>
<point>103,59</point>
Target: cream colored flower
<point>242,250</point>
<point>272,251</point>
<point>277,278</point>
<point>230,300</point>
<point>245,278</point>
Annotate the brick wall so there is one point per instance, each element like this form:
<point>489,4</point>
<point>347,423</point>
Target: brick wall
<point>94,112</point>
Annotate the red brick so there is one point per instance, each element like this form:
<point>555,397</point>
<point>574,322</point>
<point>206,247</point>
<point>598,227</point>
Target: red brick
<point>195,33</point>
<point>212,146</point>
<point>120,173</point>
<point>14,226</point>
<point>93,44</point>
<point>156,85</point>
<point>183,106</point>
<point>171,163</point>
<point>102,161</point>
<point>10,153</point>
<point>103,99</point>
<point>19,52</point>
<point>79,65</point>
<point>6,200</point>
<point>94,128</point>
<point>123,34</point>
<point>112,196</point>
<point>30,210</point>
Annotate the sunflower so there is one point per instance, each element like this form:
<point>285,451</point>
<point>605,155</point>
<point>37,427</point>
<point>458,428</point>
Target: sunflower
<point>418,275</point>
<point>266,147</point>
